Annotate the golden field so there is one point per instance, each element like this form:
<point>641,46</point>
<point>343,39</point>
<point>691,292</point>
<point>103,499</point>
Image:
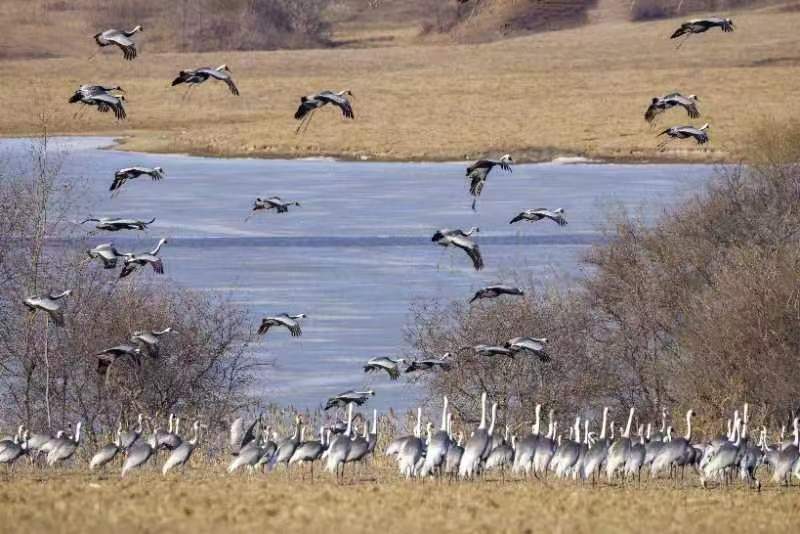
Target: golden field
<point>572,92</point>
<point>204,500</point>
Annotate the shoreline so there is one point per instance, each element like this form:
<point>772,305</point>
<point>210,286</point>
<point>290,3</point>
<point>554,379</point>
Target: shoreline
<point>128,143</point>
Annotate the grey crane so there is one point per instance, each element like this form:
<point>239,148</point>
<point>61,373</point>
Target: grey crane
<point>410,454</point>
<point>121,39</point>
<point>619,450</point>
<point>290,322</point>
<point>566,455</point>
<point>250,455</point>
<point>107,357</point>
<point>348,398</point>
<point>491,292</point>
<point>635,459</point>
<point>479,171</point>
<point>475,447</point>
<point>310,103</point>
<point>359,449</point>
<point>373,435</point>
<point>198,76</point>
<point>64,447</point>
<point>695,26</point>
<point>533,345</point>
<point>139,453</point>
<point>662,432</point>
<point>396,445</point>
<point>88,90</point>
<point>383,363</point>
<point>310,451</point>
<point>526,447</point>
<point>437,448</point>
<point>132,261</point>
<point>111,224</point>
<point>273,203</point>
<point>537,214</point>
<point>149,340</point>
<point>105,102</point>
<point>122,176</point>
<point>340,447</point>
<point>49,304</point>
<point>674,452</point>
<point>660,104</point>
<point>598,453</point>
<point>107,453</point>
<point>182,453</point>
<point>700,135</point>
<point>426,364</point>
<point>725,458</point>
<point>107,253</point>
<point>460,239</point>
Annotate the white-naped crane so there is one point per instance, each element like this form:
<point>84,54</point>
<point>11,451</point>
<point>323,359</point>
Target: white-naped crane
<point>660,104</point>
<point>171,439</point>
<point>122,39</point>
<point>537,214</point>
<point>475,447</point>
<point>182,453</point>
<point>493,350</point>
<point>491,292</point>
<point>149,339</point>
<point>426,364</point>
<point>105,102</point>
<point>309,452</point>
<point>85,95</point>
<point>287,446</point>
<point>526,447</point>
<point>535,345</point>
<point>64,448</point>
<point>111,224</point>
<point>241,437</point>
<point>139,453</point>
<point>129,437</point>
<point>479,171</point>
<point>311,103</point>
<point>49,304</point>
<point>691,27</point>
<point>349,397</point>
<point>110,355</point>
<point>198,76</point>
<point>700,135</point>
<point>131,173</point>
<point>337,452</point>
<point>132,261</point>
<point>675,451</point>
<point>386,364</point>
<point>272,203</point>
<point>13,450</point>
<point>108,452</point>
<point>107,253</point>
<point>619,450</point>
<point>460,239</point>
<point>436,452</point>
<point>290,322</point>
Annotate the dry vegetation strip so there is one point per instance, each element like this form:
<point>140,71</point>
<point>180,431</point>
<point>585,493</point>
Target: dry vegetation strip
<point>579,91</point>
<point>205,501</point>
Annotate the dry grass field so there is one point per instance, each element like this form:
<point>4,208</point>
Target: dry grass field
<point>573,92</point>
<point>204,500</point>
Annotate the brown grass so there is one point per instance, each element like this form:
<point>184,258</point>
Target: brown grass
<point>203,500</point>
<point>580,91</point>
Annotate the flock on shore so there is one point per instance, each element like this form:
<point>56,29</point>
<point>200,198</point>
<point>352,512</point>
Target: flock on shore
<point>582,453</point>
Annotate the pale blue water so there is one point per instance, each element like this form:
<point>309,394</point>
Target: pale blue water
<point>357,252</point>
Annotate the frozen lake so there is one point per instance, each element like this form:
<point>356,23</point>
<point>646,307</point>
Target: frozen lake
<point>357,252</point>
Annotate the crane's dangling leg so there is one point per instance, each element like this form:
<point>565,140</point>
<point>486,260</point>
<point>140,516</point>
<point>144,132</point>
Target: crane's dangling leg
<point>310,116</point>
<point>680,43</point>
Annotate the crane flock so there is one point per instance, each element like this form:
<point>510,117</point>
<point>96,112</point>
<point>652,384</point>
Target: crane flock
<point>581,454</point>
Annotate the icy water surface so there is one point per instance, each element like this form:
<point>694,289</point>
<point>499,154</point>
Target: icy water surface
<point>357,252</point>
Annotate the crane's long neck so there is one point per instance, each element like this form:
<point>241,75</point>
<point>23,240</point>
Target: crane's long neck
<point>158,247</point>
<point>586,432</point>
<point>139,426</point>
<point>349,419</point>
<point>577,435</point>
<point>418,428</point>
<point>196,437</point>
<point>375,422</point>
<point>494,417</point>
<point>78,432</point>
<point>444,415</point>
<point>603,427</point>
<point>663,421</point>
<point>688,426</point>
<point>483,411</point>
<point>627,433</point>
<point>649,428</point>
<point>171,421</point>
<point>535,430</point>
